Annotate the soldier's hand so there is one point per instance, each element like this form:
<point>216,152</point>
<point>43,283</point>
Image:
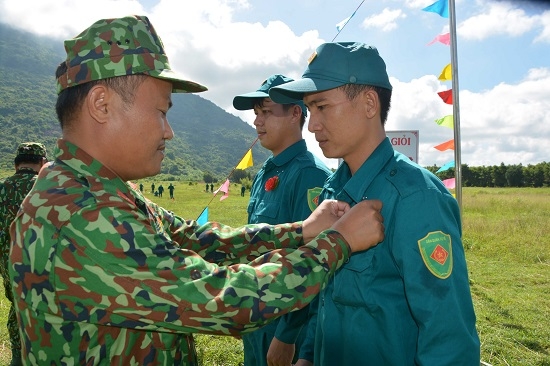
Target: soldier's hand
<point>362,226</point>
<point>280,353</point>
<point>322,218</point>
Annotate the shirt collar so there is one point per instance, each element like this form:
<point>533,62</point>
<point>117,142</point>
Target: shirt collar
<point>85,165</point>
<point>286,155</point>
<point>342,185</point>
<point>25,170</point>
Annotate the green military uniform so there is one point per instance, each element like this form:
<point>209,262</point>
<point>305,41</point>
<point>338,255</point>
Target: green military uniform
<point>406,301</point>
<point>102,275</point>
<point>300,176</point>
<point>12,192</point>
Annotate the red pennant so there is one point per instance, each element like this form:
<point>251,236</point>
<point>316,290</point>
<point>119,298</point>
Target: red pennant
<point>447,96</point>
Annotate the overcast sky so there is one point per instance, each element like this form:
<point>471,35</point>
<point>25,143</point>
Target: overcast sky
<point>232,46</point>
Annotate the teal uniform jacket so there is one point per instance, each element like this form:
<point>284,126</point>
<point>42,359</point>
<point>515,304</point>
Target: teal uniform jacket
<point>406,301</point>
<point>300,178</point>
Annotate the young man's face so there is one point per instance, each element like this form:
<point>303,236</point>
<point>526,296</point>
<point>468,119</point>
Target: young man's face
<point>273,125</point>
<point>340,125</point>
<point>141,130</point>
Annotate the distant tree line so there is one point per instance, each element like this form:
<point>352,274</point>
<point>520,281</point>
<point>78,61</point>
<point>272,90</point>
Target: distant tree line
<point>500,175</point>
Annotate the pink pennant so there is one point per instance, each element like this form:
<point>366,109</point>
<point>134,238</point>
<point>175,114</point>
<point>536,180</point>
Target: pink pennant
<point>442,38</point>
<point>449,183</point>
<point>224,188</point>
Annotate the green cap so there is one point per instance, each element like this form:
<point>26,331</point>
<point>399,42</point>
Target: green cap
<point>333,65</point>
<point>246,101</point>
<point>31,148</point>
<point>118,47</point>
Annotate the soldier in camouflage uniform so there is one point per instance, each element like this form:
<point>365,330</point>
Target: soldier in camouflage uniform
<point>29,158</point>
<point>101,275</point>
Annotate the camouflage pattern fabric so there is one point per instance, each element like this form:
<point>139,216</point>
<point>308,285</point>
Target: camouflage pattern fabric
<point>118,47</point>
<point>101,275</point>
<point>12,192</point>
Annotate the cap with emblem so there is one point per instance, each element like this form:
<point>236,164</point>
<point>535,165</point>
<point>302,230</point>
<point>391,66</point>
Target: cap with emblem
<point>31,149</point>
<point>118,47</point>
<point>335,64</point>
<point>246,101</point>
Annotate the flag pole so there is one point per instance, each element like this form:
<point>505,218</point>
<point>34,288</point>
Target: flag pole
<point>246,152</point>
<point>229,175</point>
<point>456,105</point>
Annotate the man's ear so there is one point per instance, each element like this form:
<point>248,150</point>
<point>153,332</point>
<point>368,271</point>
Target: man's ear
<point>371,103</point>
<point>297,112</point>
<point>97,102</point>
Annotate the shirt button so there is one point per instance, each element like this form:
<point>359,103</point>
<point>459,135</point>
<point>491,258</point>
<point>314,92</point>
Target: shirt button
<point>195,274</point>
<point>393,172</point>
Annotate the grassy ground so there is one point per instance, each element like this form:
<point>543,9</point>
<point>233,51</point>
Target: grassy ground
<point>507,237</point>
<point>507,241</point>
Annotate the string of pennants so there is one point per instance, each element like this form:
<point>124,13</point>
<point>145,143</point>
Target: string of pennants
<point>441,7</point>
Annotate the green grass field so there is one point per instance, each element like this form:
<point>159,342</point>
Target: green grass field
<point>507,241</point>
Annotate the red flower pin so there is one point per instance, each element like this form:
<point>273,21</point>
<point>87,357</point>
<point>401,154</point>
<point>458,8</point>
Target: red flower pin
<point>272,183</point>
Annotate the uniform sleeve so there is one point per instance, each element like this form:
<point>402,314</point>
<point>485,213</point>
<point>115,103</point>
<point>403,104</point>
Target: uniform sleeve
<point>141,279</point>
<point>4,232</point>
<point>224,245</point>
<point>308,345</point>
<point>3,209</point>
<point>291,324</point>
<point>438,294</point>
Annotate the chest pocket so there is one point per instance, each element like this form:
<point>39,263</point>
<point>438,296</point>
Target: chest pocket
<point>352,284</point>
<point>269,210</point>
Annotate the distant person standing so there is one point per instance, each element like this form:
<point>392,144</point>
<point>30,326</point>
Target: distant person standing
<point>243,189</point>
<point>207,186</point>
<point>171,190</point>
<point>153,188</point>
<point>286,188</point>
<point>141,187</point>
<point>211,187</point>
<point>160,189</point>
<point>30,157</point>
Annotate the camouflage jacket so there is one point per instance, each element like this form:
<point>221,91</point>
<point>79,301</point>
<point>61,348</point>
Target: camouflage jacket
<point>12,192</point>
<point>103,276</point>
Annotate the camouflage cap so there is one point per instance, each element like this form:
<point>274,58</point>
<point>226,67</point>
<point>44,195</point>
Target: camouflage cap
<point>118,47</point>
<point>31,148</point>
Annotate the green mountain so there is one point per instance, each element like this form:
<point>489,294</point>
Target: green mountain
<point>208,139</point>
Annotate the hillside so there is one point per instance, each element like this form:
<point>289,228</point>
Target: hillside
<point>208,139</point>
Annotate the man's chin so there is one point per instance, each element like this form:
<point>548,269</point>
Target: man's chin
<point>328,154</point>
<point>143,173</point>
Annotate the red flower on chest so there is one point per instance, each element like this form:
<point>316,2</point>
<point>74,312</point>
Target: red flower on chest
<point>272,183</point>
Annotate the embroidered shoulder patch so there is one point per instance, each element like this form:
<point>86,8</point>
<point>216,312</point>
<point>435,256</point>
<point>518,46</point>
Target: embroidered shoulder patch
<point>436,251</point>
<point>313,197</point>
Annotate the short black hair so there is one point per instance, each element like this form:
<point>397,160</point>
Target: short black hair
<point>384,95</point>
<point>70,99</point>
<point>27,158</point>
<point>259,102</point>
